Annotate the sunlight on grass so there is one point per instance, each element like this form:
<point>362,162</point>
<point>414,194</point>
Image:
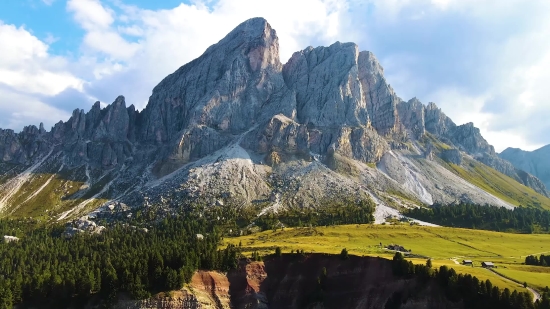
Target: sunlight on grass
<point>506,250</point>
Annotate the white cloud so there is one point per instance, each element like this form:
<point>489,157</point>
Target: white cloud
<point>100,37</point>
<point>50,39</point>
<point>26,65</point>
<point>28,72</point>
<point>91,14</point>
<point>24,109</point>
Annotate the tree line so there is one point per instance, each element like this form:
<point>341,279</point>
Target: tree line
<point>543,260</point>
<point>334,213</point>
<point>474,293</point>
<point>44,269</point>
<point>231,218</point>
<point>518,220</point>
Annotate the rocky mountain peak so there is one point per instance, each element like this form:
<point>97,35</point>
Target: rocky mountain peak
<point>470,139</point>
<point>413,116</point>
<point>340,86</point>
<point>228,88</point>
<point>262,43</point>
<point>237,124</point>
<point>437,122</point>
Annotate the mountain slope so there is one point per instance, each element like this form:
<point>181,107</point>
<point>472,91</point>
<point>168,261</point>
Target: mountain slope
<point>535,162</point>
<point>237,127</point>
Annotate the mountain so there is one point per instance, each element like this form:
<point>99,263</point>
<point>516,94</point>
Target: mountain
<point>535,162</point>
<point>237,127</point>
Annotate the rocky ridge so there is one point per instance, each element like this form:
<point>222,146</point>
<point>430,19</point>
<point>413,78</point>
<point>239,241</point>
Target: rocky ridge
<point>236,126</point>
<point>532,162</point>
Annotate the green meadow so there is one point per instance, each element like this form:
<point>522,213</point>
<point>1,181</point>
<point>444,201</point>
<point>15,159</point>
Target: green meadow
<point>445,246</point>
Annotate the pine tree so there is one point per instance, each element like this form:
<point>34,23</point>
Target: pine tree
<point>6,301</point>
<point>278,252</point>
<point>344,254</point>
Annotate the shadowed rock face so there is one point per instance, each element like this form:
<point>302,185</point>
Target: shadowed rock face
<point>535,162</point>
<point>221,124</point>
<point>291,282</point>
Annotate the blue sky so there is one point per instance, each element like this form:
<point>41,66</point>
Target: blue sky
<point>484,61</point>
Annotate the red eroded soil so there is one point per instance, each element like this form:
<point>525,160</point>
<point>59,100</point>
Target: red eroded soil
<point>296,281</point>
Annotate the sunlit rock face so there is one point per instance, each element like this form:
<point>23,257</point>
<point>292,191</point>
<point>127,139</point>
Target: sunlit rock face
<point>237,126</point>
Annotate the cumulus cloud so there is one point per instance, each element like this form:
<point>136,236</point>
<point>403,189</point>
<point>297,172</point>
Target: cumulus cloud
<point>28,72</point>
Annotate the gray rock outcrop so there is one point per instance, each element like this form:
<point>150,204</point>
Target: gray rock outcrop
<point>340,86</point>
<point>229,88</point>
<point>452,156</point>
<point>535,162</point>
<point>412,116</point>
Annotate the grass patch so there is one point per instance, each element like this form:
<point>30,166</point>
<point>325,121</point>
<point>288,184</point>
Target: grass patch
<point>535,279</point>
<point>508,251</point>
<point>438,145</point>
<point>499,184</point>
<point>50,197</point>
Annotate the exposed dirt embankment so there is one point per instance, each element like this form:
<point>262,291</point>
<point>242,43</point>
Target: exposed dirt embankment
<point>300,282</point>
<point>311,281</point>
<point>207,289</point>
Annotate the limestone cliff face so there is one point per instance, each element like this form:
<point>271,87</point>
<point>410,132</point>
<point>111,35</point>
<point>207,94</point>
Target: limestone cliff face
<point>466,138</point>
<point>437,122</point>
<point>236,124</point>
<point>227,88</point>
<point>99,137</point>
<point>412,116</point>
<point>21,148</point>
<point>340,86</point>
<point>470,140</point>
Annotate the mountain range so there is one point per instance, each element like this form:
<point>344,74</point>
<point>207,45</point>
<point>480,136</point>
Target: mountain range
<point>238,127</point>
<point>535,162</point>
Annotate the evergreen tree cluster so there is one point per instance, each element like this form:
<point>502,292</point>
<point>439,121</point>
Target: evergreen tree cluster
<point>46,270</point>
<point>466,288</point>
<point>520,219</point>
<point>256,256</point>
<point>543,260</point>
<point>334,213</point>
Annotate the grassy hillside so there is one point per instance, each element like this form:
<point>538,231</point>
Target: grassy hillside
<point>536,276</point>
<point>499,184</point>
<point>443,245</point>
<point>41,190</point>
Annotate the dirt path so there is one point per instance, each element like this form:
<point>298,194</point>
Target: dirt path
<point>536,294</point>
